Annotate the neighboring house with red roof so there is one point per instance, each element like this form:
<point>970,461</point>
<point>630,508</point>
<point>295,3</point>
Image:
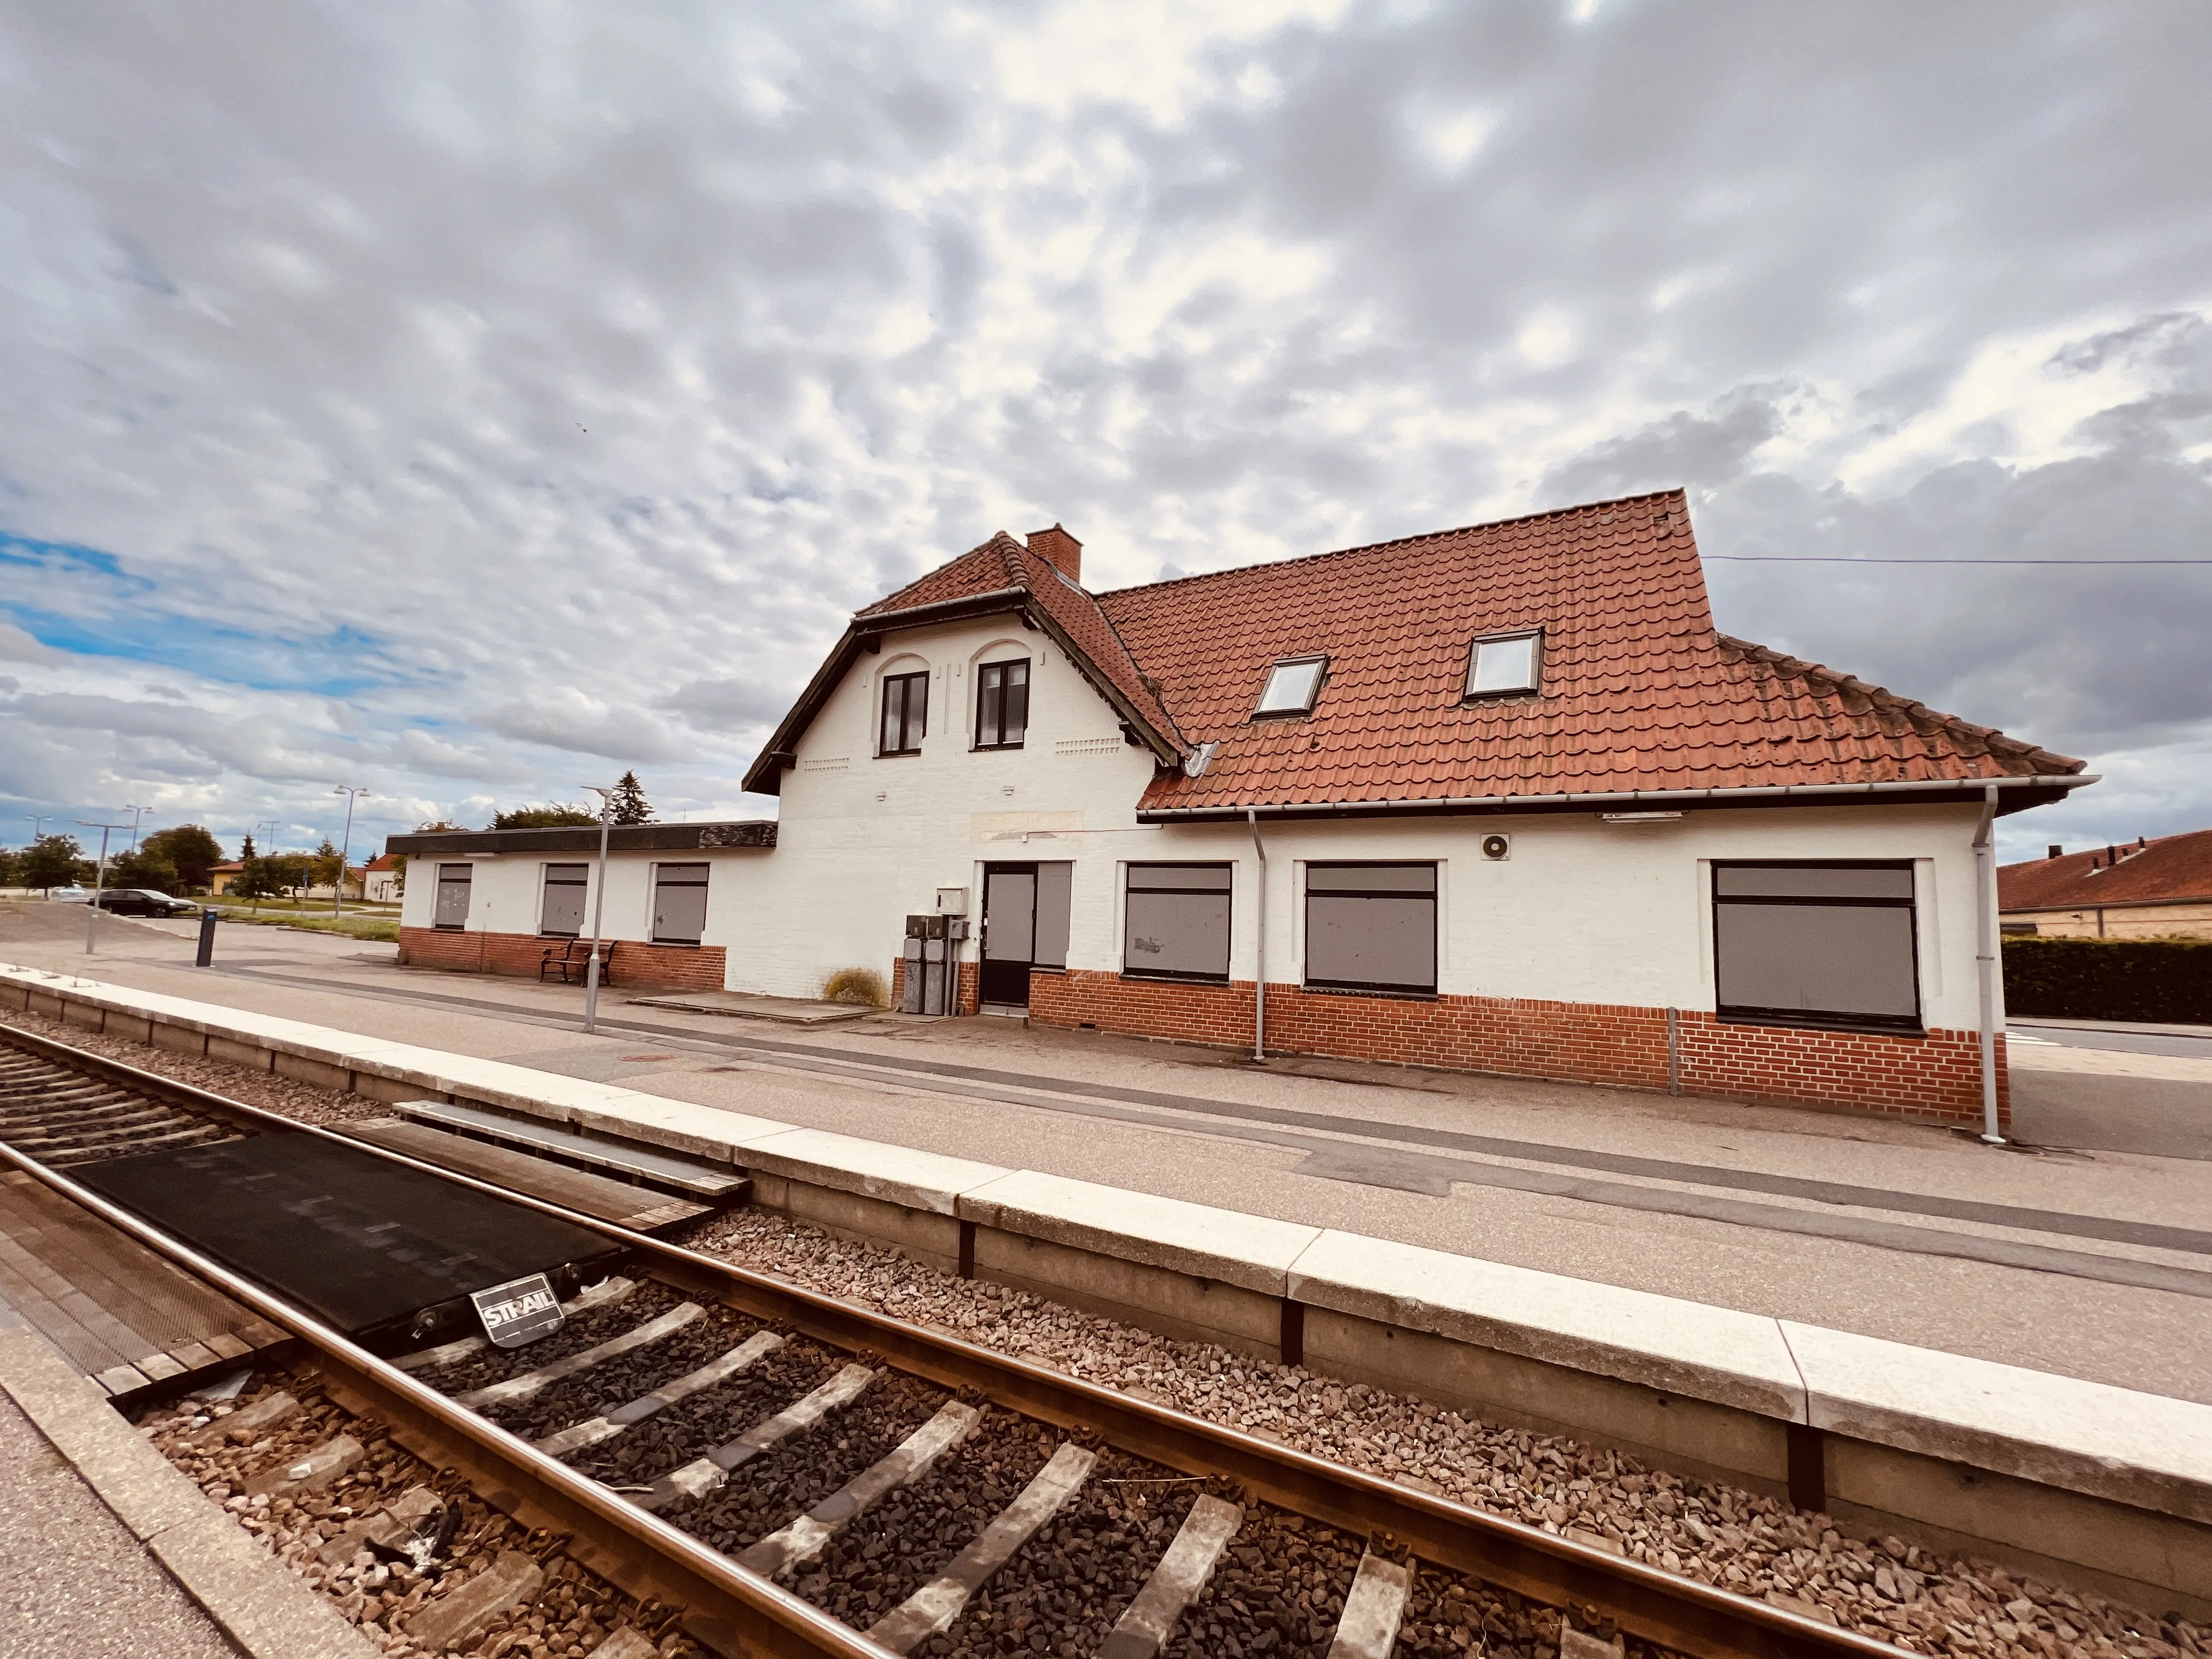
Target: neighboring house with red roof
<point>2149,889</point>
<point>1499,797</point>
<point>383,877</point>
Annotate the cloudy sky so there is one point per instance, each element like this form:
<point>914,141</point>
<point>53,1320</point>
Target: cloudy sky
<point>470,401</point>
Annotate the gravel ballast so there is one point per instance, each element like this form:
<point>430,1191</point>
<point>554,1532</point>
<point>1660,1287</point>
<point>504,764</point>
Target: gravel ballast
<point>571,1614</point>
<point>1887,1588</point>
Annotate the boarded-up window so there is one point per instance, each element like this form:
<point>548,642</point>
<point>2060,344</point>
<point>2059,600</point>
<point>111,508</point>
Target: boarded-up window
<point>1002,704</point>
<point>679,903</point>
<point>562,914</point>
<point>1177,921</point>
<point>1372,927</point>
<point>1820,944</point>
<point>1055,885</point>
<point>453,883</point>
<point>906,713</point>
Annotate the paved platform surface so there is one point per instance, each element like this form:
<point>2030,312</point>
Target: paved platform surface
<point>2101,1268</point>
<point>88,1590</point>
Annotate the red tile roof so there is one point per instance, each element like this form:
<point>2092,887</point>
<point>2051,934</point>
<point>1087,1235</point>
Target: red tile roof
<point>1639,692</point>
<point>383,861</point>
<point>2172,867</point>
<point>1002,564</point>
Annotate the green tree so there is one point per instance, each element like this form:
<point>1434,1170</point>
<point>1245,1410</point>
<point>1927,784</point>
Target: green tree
<point>247,852</point>
<point>327,865</point>
<point>289,871</point>
<point>143,868</point>
<point>255,881</point>
<point>189,849</point>
<point>553,815</point>
<point>630,805</point>
<point>11,863</point>
<point>440,827</point>
<point>52,862</point>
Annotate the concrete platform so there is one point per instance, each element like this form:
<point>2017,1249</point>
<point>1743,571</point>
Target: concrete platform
<point>2072,1479</point>
<point>1702,1200</point>
<point>740,1004</point>
<point>132,1558</point>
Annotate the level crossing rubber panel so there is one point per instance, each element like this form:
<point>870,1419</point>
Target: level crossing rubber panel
<point>356,1239</point>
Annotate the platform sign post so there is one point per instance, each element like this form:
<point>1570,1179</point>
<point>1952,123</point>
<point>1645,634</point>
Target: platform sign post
<point>522,1310</point>
<point>205,956</point>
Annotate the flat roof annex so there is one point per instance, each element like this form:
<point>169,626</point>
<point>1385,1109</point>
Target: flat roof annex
<point>585,838</point>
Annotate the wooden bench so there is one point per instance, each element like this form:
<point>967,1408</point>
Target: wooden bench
<point>571,959</point>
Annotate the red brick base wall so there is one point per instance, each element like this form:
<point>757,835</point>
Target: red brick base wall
<point>1938,1075</point>
<point>628,962</point>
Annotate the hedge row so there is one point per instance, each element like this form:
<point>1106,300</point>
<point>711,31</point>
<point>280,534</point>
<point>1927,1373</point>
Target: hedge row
<point>2154,982</point>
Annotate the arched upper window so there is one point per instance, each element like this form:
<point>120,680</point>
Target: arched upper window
<point>1002,703</point>
<point>903,708</point>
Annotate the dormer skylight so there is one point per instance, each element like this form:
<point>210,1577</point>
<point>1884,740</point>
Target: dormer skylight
<point>1292,685</point>
<point>1505,665</point>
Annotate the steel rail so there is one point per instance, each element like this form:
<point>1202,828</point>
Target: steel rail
<point>1673,1612</point>
<point>732,1610</point>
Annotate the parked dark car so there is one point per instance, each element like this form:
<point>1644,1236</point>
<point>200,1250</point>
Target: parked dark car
<point>144,902</point>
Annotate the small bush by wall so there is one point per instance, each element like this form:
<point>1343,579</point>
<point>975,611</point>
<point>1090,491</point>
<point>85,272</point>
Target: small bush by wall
<point>2155,982</point>
<point>861,985</point>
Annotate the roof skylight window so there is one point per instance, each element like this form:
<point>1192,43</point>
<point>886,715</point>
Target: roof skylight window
<point>1505,665</point>
<point>1292,686</point>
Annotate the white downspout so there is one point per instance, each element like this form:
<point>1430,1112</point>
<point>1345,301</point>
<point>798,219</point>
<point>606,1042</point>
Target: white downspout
<point>1259,946</point>
<point>1985,959</point>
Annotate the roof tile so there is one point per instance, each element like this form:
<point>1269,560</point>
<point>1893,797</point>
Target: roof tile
<point>2171,867</point>
<point>1640,691</point>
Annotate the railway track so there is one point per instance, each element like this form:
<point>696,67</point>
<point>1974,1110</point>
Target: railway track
<point>806,1476</point>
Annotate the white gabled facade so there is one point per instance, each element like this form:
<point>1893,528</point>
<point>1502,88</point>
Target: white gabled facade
<point>1572,853</point>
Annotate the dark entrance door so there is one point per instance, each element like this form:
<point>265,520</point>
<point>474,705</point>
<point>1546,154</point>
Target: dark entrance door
<point>1009,932</point>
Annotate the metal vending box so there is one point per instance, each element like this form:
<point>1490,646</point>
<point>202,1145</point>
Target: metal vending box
<point>928,953</point>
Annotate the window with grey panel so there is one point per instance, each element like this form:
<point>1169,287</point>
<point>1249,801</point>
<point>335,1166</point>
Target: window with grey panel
<point>1176,923</point>
<point>454,882</point>
<point>561,911</point>
<point>679,903</point>
<point>1372,927</point>
<point>1832,947</point>
<point>1055,885</point>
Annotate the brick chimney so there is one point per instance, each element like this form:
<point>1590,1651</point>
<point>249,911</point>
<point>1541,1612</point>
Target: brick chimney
<point>1059,549</point>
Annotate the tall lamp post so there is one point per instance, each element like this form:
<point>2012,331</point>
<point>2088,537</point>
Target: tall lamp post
<point>345,847</point>
<point>137,813</point>
<point>98,882</point>
<point>599,905</point>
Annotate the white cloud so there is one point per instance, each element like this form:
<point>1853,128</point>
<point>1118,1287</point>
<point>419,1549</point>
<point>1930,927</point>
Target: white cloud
<point>540,395</point>
<point>18,645</point>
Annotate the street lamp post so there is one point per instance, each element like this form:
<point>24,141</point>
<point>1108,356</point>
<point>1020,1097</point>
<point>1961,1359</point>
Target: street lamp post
<point>271,825</point>
<point>98,882</point>
<point>599,905</point>
<point>345,847</point>
<point>136,813</point>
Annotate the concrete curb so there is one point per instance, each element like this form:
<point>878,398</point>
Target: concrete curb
<point>253,1598</point>
<point>2107,1486</point>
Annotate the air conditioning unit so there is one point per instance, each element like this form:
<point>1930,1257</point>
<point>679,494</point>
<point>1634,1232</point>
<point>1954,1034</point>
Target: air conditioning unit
<point>1497,848</point>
